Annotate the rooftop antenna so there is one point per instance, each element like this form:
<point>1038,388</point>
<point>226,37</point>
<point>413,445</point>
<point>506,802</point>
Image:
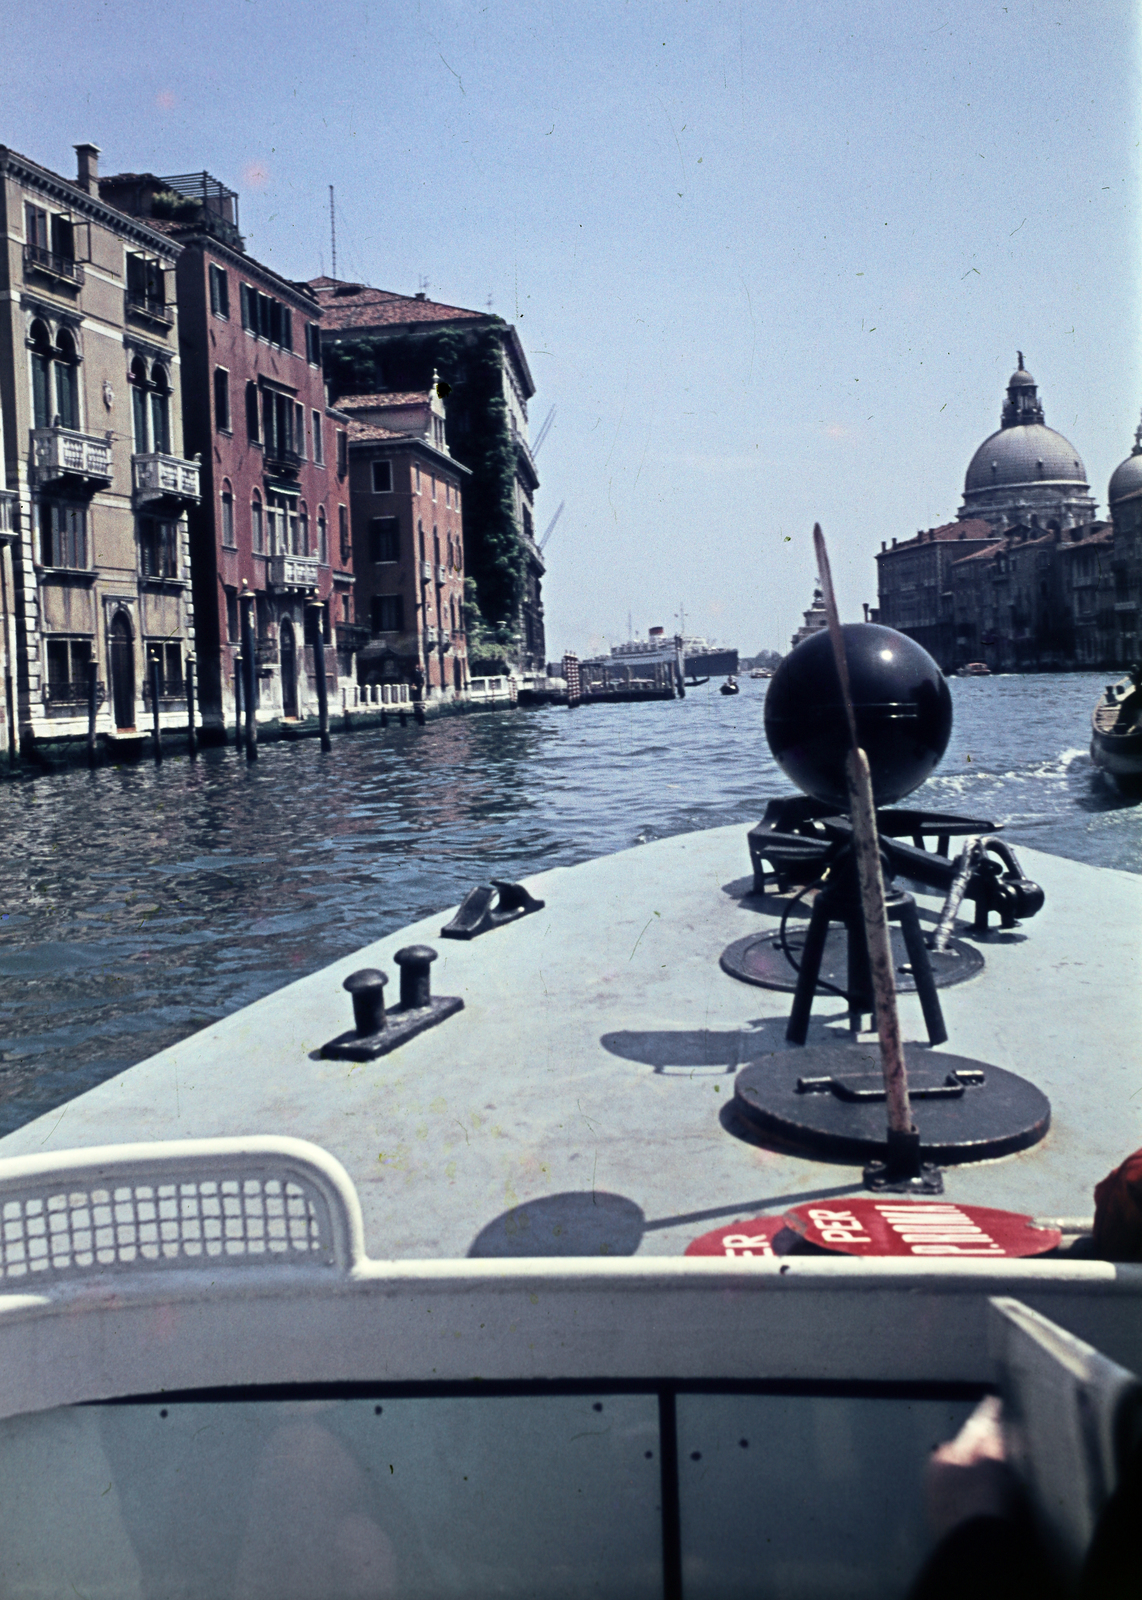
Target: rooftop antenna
<point>333,232</point>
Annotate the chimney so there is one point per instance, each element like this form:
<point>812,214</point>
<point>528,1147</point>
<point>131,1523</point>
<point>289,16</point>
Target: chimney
<point>88,167</point>
<point>420,295</point>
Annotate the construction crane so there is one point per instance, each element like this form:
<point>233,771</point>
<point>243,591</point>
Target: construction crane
<point>543,432</point>
<point>550,529</point>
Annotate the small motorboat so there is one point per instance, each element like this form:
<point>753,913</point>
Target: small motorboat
<point>1116,729</point>
<point>974,669</point>
<point>730,686</point>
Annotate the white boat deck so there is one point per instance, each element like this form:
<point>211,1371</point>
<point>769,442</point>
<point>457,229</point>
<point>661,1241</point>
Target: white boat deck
<point>572,1107</point>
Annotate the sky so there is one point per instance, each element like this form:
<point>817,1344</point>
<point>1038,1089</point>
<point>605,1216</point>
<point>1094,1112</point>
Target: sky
<point>770,262</point>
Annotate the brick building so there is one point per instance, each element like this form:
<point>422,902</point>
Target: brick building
<point>96,559</point>
<point>914,584</point>
<point>274,515</point>
<point>1125,497</point>
<point>406,499</point>
<point>375,340</point>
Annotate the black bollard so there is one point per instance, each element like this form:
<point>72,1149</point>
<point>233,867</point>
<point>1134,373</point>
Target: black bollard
<point>367,988</point>
<point>92,707</point>
<point>155,681</point>
<point>415,963</point>
<point>191,733</point>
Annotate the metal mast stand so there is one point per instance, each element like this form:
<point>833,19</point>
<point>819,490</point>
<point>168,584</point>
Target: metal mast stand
<point>835,1099</point>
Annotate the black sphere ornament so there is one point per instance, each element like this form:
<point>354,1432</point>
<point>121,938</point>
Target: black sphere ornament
<point>902,705</point>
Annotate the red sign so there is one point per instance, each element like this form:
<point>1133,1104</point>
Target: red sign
<point>752,1238</point>
<point>926,1230</point>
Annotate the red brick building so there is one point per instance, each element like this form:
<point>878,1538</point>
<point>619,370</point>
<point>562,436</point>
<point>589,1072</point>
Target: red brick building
<point>274,515</point>
<point>406,498</point>
<point>380,340</point>
<point>914,590</point>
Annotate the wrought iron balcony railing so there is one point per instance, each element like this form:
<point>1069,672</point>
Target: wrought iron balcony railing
<point>163,477</point>
<point>72,691</point>
<point>281,461</point>
<point>148,306</point>
<point>64,453</point>
<point>294,572</point>
<point>37,259</point>
<point>351,636</point>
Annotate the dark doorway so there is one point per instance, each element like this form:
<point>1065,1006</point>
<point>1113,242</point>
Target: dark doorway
<point>122,673</point>
<point>289,669</point>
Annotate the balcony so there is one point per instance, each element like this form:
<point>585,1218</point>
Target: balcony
<point>280,463</point>
<point>63,453</point>
<point>64,269</point>
<point>430,635</point>
<point>72,692</point>
<point>442,574</point>
<point>148,307</point>
<point>426,571</point>
<point>293,572</point>
<point>162,477</point>
<point>351,636</point>
<point>8,503</point>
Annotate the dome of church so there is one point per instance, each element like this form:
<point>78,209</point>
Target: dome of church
<point>1024,453</point>
<point>1127,478</point>
<point>1026,471</point>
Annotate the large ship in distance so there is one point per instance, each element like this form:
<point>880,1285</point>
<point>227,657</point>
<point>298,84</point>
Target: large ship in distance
<point>700,658</point>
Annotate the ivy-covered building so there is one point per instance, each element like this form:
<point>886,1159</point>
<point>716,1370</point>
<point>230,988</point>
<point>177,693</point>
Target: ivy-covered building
<point>375,341</point>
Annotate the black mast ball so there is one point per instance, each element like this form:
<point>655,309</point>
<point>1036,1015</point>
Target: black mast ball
<point>903,713</point>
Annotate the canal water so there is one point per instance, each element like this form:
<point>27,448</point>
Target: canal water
<point>141,903</point>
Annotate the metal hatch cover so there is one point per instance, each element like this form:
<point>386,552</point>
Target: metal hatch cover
<point>824,1099</point>
<point>759,959</point>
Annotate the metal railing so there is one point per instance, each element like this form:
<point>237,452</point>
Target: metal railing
<point>72,691</point>
<point>162,477</point>
<point>63,452</point>
<point>41,260</point>
<point>278,460</point>
<point>140,304</point>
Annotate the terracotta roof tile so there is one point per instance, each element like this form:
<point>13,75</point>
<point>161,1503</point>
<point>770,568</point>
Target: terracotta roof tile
<point>365,307</point>
<point>370,430</point>
<point>375,402</point>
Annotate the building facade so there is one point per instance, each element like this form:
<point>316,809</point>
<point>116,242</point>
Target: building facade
<point>273,521</point>
<point>407,510</point>
<point>914,592</point>
<point>375,340</point>
<point>98,483</point>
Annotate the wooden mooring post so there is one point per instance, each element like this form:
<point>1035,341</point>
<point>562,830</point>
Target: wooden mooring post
<point>191,732</point>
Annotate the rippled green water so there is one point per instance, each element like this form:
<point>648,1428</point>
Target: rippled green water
<point>141,903</point>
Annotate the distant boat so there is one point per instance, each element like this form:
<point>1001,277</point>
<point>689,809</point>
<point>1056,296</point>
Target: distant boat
<point>700,660</point>
<point>729,687</point>
<point>974,669</point>
<point>1116,730</point>
<point>761,672</point>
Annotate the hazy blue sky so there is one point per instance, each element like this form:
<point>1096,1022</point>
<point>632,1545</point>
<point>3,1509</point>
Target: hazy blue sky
<point>770,262</point>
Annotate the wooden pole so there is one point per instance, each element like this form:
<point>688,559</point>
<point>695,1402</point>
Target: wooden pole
<point>249,652</point>
<point>92,707</point>
<point>317,612</point>
<point>866,845</point>
<point>239,668</point>
<point>191,734</point>
<point>155,683</point>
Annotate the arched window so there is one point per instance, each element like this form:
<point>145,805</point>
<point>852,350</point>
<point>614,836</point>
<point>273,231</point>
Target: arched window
<point>160,409</point>
<point>257,536</point>
<point>42,408</point>
<point>303,527</point>
<point>322,537</point>
<point>227,514</point>
<point>137,378</point>
<point>67,381</point>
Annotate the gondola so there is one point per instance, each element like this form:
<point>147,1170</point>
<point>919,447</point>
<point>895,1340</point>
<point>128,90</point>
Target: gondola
<point>1116,730</point>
